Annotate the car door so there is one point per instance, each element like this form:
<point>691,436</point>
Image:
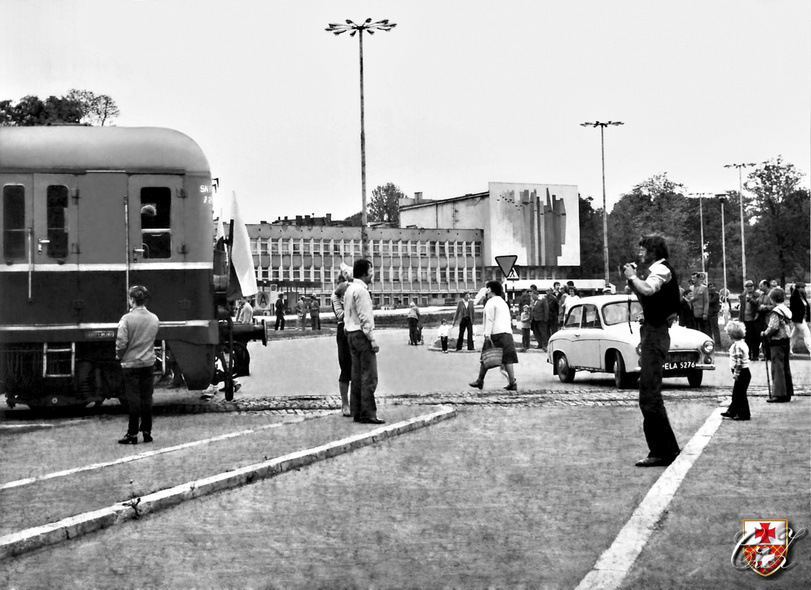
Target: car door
<point>590,337</point>
<point>572,334</point>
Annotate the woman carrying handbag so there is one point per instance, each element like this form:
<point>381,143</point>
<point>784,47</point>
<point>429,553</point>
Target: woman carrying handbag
<point>498,336</point>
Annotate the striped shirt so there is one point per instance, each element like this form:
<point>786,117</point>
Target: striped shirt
<point>738,357</point>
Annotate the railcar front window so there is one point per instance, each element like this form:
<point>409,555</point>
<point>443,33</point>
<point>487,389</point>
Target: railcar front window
<point>14,221</point>
<point>57,204</point>
<point>156,221</point>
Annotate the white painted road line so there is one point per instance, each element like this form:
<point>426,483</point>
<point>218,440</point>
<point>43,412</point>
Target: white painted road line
<point>70,528</point>
<point>615,563</point>
<point>146,455</point>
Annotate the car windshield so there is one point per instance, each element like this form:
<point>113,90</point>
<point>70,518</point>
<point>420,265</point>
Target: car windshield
<point>617,312</point>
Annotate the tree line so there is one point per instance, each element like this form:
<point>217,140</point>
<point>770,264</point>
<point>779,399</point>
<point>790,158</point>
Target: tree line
<point>77,107</point>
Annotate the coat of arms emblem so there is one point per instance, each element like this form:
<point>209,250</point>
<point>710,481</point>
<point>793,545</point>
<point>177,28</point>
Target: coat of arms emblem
<point>765,545</point>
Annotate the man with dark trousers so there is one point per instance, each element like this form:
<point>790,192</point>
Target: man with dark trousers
<point>658,293</point>
<point>538,314</point>
<point>280,308</point>
<point>464,315</point>
<point>359,325</point>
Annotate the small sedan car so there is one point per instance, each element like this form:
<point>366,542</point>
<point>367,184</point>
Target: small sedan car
<point>601,335</point>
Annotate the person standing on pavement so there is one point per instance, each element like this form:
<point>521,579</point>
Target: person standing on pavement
<point>712,316</point>
<point>658,293</point>
<point>739,364</point>
<point>413,319</point>
<point>245,314</point>
<point>135,349</point>
<point>749,313</point>
<point>360,328</point>
<point>498,333</point>
<point>344,354</point>
<point>301,313</point>
<point>315,313</point>
<point>280,309</point>
<point>798,304</point>
<point>443,332</point>
<point>538,316</point>
<point>778,333</point>
<point>464,316</point>
<point>552,316</point>
<point>700,303</point>
<point>525,324</point>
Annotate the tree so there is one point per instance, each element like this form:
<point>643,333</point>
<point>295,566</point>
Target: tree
<point>96,109</point>
<point>591,240</point>
<point>77,107</point>
<point>385,204</point>
<point>778,215</point>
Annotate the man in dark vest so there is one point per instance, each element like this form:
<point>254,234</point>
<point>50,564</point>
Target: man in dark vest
<point>658,293</point>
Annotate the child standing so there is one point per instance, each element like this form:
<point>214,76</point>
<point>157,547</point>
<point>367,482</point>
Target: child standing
<point>739,364</point>
<point>444,330</point>
<point>526,324</point>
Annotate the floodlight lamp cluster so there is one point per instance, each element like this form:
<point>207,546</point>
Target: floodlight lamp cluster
<point>744,165</point>
<point>601,123</point>
<point>367,25</point>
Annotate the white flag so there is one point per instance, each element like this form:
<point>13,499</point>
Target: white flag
<point>241,257</point>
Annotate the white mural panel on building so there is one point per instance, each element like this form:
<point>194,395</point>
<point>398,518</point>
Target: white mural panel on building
<point>539,223</point>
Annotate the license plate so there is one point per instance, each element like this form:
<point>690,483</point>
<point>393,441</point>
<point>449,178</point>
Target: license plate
<point>676,366</point>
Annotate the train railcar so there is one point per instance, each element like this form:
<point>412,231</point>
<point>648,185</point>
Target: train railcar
<point>85,213</point>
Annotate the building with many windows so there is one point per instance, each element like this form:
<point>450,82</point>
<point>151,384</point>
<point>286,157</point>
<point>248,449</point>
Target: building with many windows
<point>429,266</point>
<point>442,249</point>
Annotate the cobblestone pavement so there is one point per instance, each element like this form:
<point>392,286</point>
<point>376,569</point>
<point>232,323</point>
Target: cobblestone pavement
<point>494,399</point>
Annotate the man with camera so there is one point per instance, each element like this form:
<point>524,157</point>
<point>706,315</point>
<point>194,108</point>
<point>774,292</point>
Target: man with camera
<point>658,293</point>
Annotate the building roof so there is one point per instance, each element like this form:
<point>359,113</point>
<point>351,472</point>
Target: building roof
<point>434,202</point>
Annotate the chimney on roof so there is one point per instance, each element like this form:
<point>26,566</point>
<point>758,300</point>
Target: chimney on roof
<point>329,217</point>
<point>418,197</point>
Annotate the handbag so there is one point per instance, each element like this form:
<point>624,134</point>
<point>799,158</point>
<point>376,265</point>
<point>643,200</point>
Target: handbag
<point>491,356</point>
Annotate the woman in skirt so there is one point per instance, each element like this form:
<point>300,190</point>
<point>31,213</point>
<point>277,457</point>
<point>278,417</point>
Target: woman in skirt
<point>498,333</point>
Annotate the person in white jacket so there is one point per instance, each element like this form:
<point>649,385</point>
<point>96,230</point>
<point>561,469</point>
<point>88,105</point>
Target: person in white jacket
<point>498,333</point>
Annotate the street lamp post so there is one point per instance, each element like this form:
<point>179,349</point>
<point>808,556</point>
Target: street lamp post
<point>740,194</point>
<point>602,125</point>
<point>369,27</point>
<point>723,199</point>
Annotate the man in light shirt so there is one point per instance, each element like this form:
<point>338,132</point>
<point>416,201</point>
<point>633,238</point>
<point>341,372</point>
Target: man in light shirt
<point>359,325</point>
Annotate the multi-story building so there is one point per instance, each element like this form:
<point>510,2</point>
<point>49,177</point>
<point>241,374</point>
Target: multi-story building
<point>429,266</point>
<point>442,249</point>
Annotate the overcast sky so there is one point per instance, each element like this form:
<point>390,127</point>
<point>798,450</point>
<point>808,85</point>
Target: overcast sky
<point>459,94</point>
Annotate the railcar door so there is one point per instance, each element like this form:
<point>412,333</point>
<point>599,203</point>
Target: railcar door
<point>157,250</point>
<point>55,246</point>
<point>16,221</point>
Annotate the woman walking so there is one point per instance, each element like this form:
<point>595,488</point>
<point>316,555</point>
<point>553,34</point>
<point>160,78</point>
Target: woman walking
<point>135,348</point>
<point>498,334</point>
<point>778,332</point>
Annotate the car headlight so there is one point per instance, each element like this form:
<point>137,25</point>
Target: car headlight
<point>708,347</point>
<point>639,349</point>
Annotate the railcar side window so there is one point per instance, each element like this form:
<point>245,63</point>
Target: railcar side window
<point>14,221</point>
<point>57,205</point>
<point>156,225</point>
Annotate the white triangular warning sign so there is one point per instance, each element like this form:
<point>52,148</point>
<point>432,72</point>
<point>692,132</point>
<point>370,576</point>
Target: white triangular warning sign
<point>513,276</point>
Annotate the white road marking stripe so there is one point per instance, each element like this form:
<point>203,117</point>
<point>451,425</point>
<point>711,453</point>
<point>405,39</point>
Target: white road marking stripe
<point>146,455</point>
<point>615,563</point>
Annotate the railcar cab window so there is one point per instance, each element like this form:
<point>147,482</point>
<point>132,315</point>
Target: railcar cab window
<point>57,205</point>
<point>156,226</point>
<point>13,221</point>
<point>573,319</point>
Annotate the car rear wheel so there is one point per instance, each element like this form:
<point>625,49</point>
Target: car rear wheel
<point>565,372</point>
<point>621,378</point>
<point>694,378</point>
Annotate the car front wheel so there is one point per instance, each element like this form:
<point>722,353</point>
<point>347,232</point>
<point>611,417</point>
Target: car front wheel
<point>565,372</point>
<point>694,378</point>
